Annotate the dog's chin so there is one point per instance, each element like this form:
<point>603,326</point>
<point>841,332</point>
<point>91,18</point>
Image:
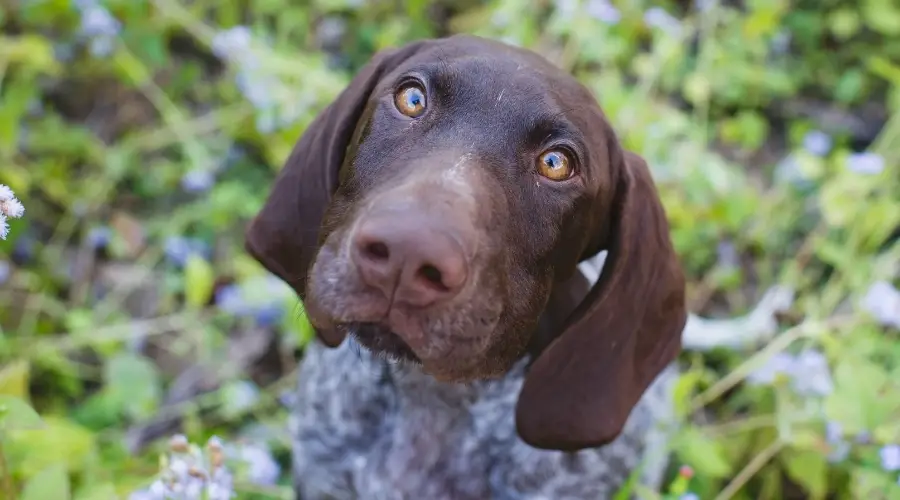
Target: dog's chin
<point>381,340</point>
<point>447,365</point>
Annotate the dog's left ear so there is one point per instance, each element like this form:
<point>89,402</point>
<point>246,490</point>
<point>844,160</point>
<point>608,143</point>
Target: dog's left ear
<point>284,235</point>
<point>581,389</point>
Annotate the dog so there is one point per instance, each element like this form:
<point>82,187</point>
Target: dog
<point>497,301</point>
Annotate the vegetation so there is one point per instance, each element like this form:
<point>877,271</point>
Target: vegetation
<point>142,134</point>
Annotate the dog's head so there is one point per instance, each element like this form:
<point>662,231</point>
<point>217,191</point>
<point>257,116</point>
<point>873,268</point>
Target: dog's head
<point>430,209</point>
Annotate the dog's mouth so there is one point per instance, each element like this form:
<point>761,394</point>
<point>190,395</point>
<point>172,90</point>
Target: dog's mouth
<point>380,339</point>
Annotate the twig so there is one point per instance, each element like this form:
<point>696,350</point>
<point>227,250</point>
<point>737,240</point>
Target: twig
<point>751,469</point>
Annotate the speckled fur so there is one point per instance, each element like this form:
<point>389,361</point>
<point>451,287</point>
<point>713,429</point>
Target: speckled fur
<point>371,429</point>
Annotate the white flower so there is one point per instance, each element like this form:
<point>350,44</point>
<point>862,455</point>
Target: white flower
<point>10,208</point>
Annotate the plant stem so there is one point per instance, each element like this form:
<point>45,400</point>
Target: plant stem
<point>751,469</point>
<point>5,473</point>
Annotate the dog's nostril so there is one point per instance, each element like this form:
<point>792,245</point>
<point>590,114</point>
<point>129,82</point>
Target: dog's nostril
<point>432,276</point>
<point>377,251</point>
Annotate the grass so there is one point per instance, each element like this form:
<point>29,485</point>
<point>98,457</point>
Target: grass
<point>142,135</point>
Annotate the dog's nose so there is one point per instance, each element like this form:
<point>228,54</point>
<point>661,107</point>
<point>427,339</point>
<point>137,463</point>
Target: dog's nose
<point>412,259</point>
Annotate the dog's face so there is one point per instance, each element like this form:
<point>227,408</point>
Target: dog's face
<point>432,207</point>
<point>467,190</point>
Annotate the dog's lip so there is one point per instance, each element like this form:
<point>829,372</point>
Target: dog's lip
<point>380,338</point>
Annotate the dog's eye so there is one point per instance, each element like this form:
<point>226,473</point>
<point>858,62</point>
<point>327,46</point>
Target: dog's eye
<point>555,165</point>
<point>410,100</point>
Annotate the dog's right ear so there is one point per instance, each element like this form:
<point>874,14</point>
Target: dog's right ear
<point>284,235</point>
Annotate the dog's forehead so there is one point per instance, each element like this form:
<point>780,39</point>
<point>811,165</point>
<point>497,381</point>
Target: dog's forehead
<point>490,72</point>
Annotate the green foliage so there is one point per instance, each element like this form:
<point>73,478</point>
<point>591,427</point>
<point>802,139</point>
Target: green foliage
<point>142,155</point>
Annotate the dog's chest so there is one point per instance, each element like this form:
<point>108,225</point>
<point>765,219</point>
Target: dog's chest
<point>370,431</point>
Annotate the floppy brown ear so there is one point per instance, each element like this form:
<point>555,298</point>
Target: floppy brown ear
<point>284,235</point>
<point>581,389</point>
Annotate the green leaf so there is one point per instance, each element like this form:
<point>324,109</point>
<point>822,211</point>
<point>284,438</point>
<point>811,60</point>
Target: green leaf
<point>59,441</point>
<point>704,454</point>
<point>808,469</point>
<point>14,379</point>
<point>103,491</point>
<point>133,384</point>
<point>860,410</point>
<point>199,281</point>
<point>52,482</point>
<point>844,23</point>
<point>17,414</point>
<point>684,387</point>
<point>882,16</point>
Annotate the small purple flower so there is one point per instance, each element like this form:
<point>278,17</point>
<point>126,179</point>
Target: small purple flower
<point>781,42</point>
<point>788,170</point>
<point>99,27</point>
<point>269,315</point>
<point>657,17</point>
<point>231,43</point>
<point>567,8</point>
<point>99,237</point>
<point>811,374</point>
<point>287,398</point>
<point>808,372</point>
<point>5,271</point>
<point>95,20</point>
<point>240,396</point>
<point>603,11</point>
<point>102,46</point>
<point>243,301</point>
<point>833,432</point>
<point>689,496</point>
<point>890,457</point>
<point>230,299</point>
<point>704,5</point>
<point>263,469</point>
<point>197,181</point>
<point>727,255</point>
<point>864,437</point>
<point>840,448</point>
<point>882,301</point>
<point>149,494</point>
<point>817,142</point>
<point>178,249</point>
<point>865,163</point>
<point>779,364</point>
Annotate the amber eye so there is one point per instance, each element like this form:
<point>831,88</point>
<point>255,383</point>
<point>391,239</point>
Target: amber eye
<point>410,100</point>
<point>555,165</point>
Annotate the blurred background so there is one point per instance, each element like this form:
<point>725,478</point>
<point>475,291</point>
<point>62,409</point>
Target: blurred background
<point>141,135</point>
